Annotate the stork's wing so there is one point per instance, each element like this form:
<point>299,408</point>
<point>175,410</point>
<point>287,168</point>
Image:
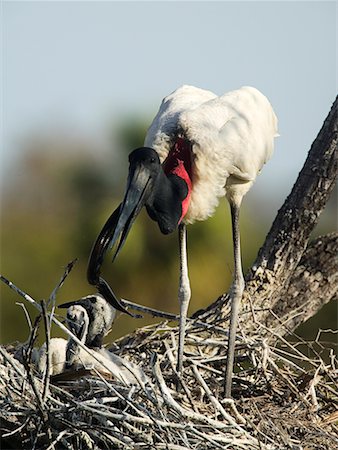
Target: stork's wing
<point>249,134</point>
<point>235,132</point>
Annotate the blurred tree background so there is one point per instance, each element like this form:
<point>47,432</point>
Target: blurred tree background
<point>56,202</point>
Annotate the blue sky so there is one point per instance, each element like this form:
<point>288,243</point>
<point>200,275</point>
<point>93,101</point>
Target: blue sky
<point>86,64</point>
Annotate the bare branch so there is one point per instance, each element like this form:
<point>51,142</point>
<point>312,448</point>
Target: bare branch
<point>269,279</point>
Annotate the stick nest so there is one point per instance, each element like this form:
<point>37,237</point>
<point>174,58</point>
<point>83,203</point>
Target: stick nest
<point>283,399</point>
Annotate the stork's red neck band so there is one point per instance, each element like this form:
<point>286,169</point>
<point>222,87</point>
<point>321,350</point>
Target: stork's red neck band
<point>178,162</point>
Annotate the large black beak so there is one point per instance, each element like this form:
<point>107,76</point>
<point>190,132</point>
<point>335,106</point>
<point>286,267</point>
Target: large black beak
<point>136,195</point>
<point>116,229</point>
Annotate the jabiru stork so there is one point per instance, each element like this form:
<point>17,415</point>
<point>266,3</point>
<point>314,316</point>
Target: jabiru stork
<point>199,148</point>
<point>64,354</point>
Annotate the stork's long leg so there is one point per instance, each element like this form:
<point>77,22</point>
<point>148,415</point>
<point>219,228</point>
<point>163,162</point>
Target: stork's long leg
<point>183,293</point>
<point>236,292</point>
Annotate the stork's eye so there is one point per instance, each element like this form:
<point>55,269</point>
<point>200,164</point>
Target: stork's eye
<point>152,160</point>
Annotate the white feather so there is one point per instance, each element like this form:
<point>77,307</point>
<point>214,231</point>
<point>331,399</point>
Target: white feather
<point>232,136</point>
<point>57,351</point>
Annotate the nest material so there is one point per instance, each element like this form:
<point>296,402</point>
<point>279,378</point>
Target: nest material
<point>282,398</point>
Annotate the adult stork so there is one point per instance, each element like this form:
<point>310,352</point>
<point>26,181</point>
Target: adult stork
<point>198,148</point>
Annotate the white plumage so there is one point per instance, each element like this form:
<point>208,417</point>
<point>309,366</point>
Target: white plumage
<point>232,137</point>
<point>101,359</point>
<point>57,352</point>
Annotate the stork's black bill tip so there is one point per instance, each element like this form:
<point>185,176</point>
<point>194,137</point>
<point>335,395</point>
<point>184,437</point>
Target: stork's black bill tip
<point>65,305</point>
<point>106,291</point>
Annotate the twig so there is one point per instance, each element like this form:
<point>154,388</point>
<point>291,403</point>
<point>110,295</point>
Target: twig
<point>29,322</point>
<point>147,309</point>
<point>214,400</point>
<point>57,439</point>
<point>170,316</point>
<point>312,391</point>
<point>67,271</point>
<point>16,430</point>
<point>20,292</point>
<point>28,352</point>
<point>181,382</point>
<point>37,394</point>
<point>173,404</point>
<point>48,359</point>
<point>207,438</point>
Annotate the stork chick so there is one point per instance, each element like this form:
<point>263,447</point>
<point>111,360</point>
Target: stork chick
<point>101,359</point>
<point>101,317</point>
<point>69,355</point>
<point>63,353</point>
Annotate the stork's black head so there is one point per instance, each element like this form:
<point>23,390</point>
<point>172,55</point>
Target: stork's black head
<point>163,194</point>
<point>164,190</point>
<point>147,157</point>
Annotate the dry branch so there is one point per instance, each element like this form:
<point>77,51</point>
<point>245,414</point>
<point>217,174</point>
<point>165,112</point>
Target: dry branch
<point>313,284</point>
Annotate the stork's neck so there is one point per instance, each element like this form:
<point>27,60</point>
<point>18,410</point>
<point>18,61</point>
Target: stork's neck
<point>165,204</point>
<point>171,196</point>
<point>181,152</point>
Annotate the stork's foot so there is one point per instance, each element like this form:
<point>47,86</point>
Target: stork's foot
<point>235,293</point>
<point>179,383</point>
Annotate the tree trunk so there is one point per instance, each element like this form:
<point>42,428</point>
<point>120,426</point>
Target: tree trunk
<point>277,283</point>
<point>313,284</point>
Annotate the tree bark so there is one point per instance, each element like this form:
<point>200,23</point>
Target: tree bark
<point>276,283</point>
<point>313,284</point>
